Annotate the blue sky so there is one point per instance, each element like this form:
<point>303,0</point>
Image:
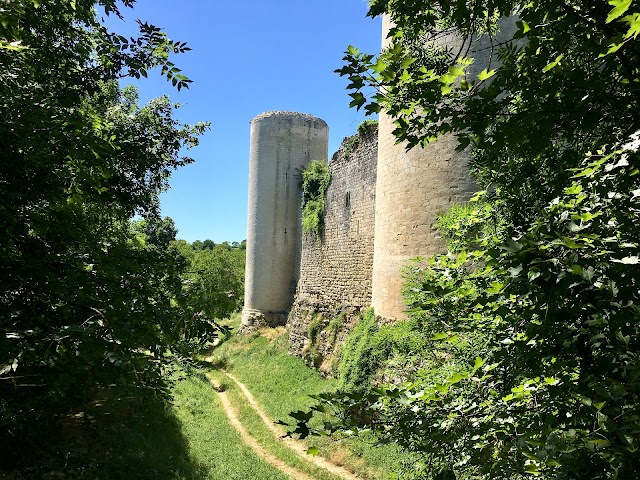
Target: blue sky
<point>248,57</point>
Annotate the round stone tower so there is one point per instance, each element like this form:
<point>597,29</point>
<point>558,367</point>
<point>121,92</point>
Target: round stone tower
<point>282,143</point>
<point>413,187</point>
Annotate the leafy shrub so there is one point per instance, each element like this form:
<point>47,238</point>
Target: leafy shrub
<point>463,225</point>
<point>315,327</point>
<point>315,181</point>
<point>370,347</point>
<point>526,354</point>
<point>335,324</point>
<point>366,127</point>
<point>359,357</point>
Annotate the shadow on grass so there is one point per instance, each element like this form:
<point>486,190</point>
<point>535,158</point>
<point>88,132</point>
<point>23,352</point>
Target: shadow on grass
<point>131,438</point>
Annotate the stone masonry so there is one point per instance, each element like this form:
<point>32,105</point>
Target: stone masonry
<point>335,269</point>
<point>282,143</point>
<point>414,187</point>
<point>378,191</point>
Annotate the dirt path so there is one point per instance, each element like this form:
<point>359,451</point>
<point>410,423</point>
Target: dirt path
<point>253,443</point>
<point>293,444</point>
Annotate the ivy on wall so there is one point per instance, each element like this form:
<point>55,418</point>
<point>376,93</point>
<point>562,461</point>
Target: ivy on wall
<point>315,181</point>
<point>364,129</point>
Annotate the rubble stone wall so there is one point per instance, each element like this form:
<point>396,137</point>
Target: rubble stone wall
<point>336,267</point>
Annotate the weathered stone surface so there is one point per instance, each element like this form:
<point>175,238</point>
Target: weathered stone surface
<point>414,187</point>
<point>281,144</point>
<point>254,319</point>
<point>336,268</point>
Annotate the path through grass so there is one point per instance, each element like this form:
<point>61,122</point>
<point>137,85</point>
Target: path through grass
<point>213,444</point>
<point>282,383</point>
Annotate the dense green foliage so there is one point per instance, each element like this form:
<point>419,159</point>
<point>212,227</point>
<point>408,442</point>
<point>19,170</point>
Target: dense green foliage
<point>315,179</point>
<point>214,279</point>
<point>90,304</point>
<point>530,326</point>
<point>361,355</point>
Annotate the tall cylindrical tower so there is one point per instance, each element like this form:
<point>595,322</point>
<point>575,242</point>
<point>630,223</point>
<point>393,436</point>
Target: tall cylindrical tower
<point>412,188</point>
<point>282,143</point>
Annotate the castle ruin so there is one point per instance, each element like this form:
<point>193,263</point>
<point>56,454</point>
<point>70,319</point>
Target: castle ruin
<point>380,212</point>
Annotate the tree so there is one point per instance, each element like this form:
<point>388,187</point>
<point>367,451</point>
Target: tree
<point>85,307</point>
<point>213,282</point>
<point>215,285</point>
<point>156,231</point>
<point>531,326</point>
<point>208,244</point>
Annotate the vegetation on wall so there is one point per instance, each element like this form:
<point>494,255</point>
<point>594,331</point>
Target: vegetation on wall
<point>315,179</point>
<point>366,127</point>
<point>530,325</point>
<point>351,143</point>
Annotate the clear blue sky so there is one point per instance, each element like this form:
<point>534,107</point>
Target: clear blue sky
<point>248,57</point>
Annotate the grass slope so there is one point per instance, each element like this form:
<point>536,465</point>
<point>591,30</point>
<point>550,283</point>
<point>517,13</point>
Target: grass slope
<point>254,424</point>
<point>282,383</point>
<point>212,443</point>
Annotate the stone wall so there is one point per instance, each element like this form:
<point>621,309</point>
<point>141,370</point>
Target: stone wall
<point>415,186</point>
<point>336,268</point>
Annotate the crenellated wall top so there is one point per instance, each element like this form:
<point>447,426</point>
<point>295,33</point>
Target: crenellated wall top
<point>282,114</point>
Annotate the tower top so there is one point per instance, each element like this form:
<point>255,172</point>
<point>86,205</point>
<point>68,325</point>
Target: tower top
<point>284,114</point>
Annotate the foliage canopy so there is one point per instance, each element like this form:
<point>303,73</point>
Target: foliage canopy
<point>90,304</point>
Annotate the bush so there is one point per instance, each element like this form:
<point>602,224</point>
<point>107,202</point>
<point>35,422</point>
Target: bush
<point>315,181</point>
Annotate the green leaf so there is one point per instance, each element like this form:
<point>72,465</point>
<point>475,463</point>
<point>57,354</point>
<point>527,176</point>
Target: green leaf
<point>313,451</point>
<point>634,25</point>
<point>485,74</point>
<point>379,66</point>
<point>358,100</point>
<point>479,363</point>
<point>597,442</point>
<point>554,63</point>
<point>620,7</point>
<point>353,50</point>
<point>407,62</point>
<point>575,189</point>
<point>533,274</point>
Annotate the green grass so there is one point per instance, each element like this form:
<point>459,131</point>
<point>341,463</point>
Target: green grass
<point>212,443</point>
<point>282,383</point>
<point>191,439</point>
<point>256,427</point>
<point>148,439</point>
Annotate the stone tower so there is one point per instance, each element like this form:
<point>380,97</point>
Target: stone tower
<point>413,187</point>
<point>282,143</point>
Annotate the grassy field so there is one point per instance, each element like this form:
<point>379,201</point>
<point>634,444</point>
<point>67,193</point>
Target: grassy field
<point>282,383</point>
<point>146,439</point>
<point>192,439</point>
<point>254,424</point>
<point>213,446</point>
